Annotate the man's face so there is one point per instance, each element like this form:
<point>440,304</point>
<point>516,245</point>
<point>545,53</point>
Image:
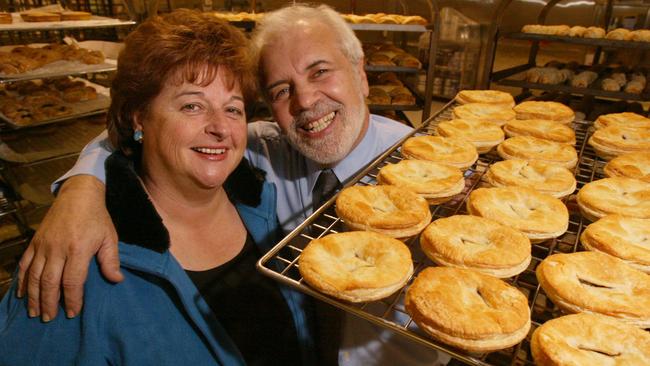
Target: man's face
<point>317,95</point>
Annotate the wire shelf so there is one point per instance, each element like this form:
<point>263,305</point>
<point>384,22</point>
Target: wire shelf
<point>281,263</point>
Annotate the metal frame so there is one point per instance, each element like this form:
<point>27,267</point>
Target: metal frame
<point>282,261</point>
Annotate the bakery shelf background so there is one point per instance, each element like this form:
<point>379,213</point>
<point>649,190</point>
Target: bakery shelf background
<point>600,47</point>
<point>282,261</point>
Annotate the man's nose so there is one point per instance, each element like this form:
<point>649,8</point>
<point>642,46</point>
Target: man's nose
<point>304,97</point>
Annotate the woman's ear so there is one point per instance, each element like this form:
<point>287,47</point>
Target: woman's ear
<point>137,121</point>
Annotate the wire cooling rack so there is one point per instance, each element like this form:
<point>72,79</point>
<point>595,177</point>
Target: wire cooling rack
<point>281,263</point>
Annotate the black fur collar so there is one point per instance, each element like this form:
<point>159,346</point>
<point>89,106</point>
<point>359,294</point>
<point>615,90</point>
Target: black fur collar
<point>135,217</point>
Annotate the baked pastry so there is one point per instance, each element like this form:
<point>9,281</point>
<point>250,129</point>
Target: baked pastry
<point>619,34</point>
<point>625,119</point>
<point>623,196</point>
<point>640,35</point>
<point>414,19</point>
<point>379,59</point>
<point>75,15</point>
<point>5,18</point>
<point>393,211</point>
<point>532,148</point>
<point>468,309</point>
<point>594,32</point>
<point>553,111</point>
<point>595,282</point>
<point>407,60</point>
<point>378,96</point>
<point>623,237</point>
<point>635,87</point>
<point>609,84</point>
<point>79,94</point>
<point>633,165</point>
<point>577,31</point>
<point>539,216</point>
<point>356,266</point>
<point>446,150</point>
<point>589,339</point>
<point>495,113</point>
<point>476,243</point>
<point>485,96</point>
<point>542,129</point>
<point>546,178</point>
<point>613,141</point>
<point>584,79</point>
<point>482,134</point>
<point>555,30</point>
<point>40,16</point>
<point>437,183</point>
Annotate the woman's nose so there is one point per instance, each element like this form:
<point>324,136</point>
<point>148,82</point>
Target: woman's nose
<point>217,126</point>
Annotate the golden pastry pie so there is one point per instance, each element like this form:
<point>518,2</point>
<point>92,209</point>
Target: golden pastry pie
<point>356,266</point>
<point>619,195</point>
<point>553,111</point>
<point>75,15</point>
<point>597,283</point>
<point>485,96</point>
<point>625,119</point>
<point>594,32</point>
<point>537,215</point>
<point>5,18</point>
<point>542,129</point>
<point>640,35</point>
<point>555,30</point>
<point>476,243</point>
<point>467,309</point>
<point>577,31</point>
<point>482,134</point>
<point>495,113</point>
<point>40,16</point>
<point>613,141</point>
<point>633,165</point>
<point>619,34</point>
<point>626,238</point>
<point>445,150</point>
<point>546,178</point>
<point>394,211</point>
<point>532,148</point>
<point>437,183</point>
<point>589,339</point>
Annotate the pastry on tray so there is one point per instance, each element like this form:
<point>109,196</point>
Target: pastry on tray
<point>546,178</point>
<point>553,111</point>
<point>446,150</point>
<point>485,96</point>
<point>613,141</point>
<point>619,195</point>
<point>495,113</point>
<point>482,134</point>
<point>533,148</point>
<point>541,128</point>
<point>632,165</point>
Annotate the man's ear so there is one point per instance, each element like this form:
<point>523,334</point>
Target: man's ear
<point>364,78</point>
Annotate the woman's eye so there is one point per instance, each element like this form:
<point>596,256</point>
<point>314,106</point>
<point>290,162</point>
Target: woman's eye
<point>191,107</point>
<point>236,111</point>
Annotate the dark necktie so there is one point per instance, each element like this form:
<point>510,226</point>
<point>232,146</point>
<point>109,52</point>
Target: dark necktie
<point>326,184</point>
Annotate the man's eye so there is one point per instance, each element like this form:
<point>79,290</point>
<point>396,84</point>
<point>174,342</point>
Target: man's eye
<point>280,94</point>
<point>320,72</point>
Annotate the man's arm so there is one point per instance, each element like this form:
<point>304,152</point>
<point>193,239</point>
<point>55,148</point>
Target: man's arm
<point>76,227</point>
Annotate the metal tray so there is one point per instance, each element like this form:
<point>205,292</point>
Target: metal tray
<point>281,263</point>
<point>602,42</point>
<point>392,68</point>
<point>388,27</point>
<point>60,68</point>
<point>19,24</point>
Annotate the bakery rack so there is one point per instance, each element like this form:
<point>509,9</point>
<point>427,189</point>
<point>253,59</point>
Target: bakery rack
<point>503,77</point>
<point>281,263</point>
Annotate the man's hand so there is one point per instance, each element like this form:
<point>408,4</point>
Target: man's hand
<point>76,227</point>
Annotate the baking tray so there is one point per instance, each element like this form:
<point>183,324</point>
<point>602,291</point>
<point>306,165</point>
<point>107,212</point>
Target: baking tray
<point>388,27</point>
<point>19,24</point>
<point>60,68</point>
<point>400,69</point>
<point>602,42</point>
<point>79,109</point>
<point>281,263</point>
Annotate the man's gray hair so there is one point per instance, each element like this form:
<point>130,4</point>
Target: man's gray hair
<point>275,24</point>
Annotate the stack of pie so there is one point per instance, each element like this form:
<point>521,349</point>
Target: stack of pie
<point>476,243</point>
<point>589,339</point>
<point>393,211</point>
<point>612,141</point>
<point>553,111</point>
<point>539,216</point>
<point>356,266</point>
<point>626,238</point>
<point>467,309</point>
<point>495,113</point>
<point>533,148</point>
<point>619,195</point>
<point>546,178</point>
<point>633,165</point>
<point>437,183</point>
<point>482,134</point>
<point>485,96</point>
<point>542,129</point>
<point>597,283</point>
<point>446,150</point>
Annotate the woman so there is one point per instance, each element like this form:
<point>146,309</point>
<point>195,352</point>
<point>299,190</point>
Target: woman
<point>189,230</point>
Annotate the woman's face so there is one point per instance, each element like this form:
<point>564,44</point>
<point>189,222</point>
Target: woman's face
<point>194,136</point>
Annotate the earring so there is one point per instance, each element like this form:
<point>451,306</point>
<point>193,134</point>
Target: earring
<point>138,135</point>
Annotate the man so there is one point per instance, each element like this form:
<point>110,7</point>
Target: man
<point>312,75</point>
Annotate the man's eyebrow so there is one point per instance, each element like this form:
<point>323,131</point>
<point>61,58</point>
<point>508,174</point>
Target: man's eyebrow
<point>284,81</point>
